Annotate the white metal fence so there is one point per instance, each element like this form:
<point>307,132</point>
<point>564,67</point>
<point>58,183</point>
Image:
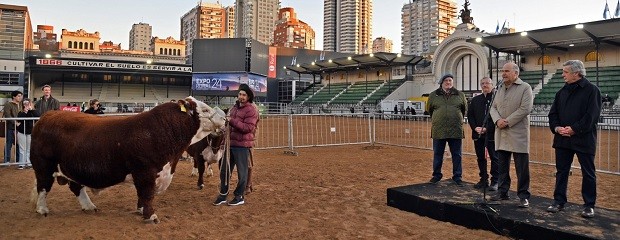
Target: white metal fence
<point>291,131</point>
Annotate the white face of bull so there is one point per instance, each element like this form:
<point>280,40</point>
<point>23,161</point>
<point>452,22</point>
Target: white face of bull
<point>211,119</point>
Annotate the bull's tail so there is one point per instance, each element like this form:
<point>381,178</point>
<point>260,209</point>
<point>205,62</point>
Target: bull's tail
<point>34,194</point>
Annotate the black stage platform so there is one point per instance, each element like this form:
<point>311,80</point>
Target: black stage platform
<point>447,202</point>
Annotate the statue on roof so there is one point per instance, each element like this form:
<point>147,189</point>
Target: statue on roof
<point>466,13</point>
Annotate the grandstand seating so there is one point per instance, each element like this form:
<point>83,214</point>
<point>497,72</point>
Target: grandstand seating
<point>75,92</point>
<point>532,77</point>
<point>78,92</point>
<point>307,93</point>
<point>609,83</point>
<point>384,91</point>
<point>327,93</point>
<point>356,92</point>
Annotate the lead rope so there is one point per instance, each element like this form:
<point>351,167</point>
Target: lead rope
<point>227,146</point>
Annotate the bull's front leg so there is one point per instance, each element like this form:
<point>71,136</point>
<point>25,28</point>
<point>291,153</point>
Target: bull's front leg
<point>145,187</point>
<point>201,172</point>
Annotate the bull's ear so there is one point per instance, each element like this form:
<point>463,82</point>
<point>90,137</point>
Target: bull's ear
<point>183,106</point>
<point>191,106</point>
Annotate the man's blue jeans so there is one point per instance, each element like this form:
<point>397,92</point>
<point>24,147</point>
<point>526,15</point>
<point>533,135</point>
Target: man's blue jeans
<point>10,139</point>
<point>439,145</point>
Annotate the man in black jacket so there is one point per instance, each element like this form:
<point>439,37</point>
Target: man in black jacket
<point>573,121</point>
<point>483,135</point>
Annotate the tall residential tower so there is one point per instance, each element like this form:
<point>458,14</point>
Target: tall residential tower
<point>140,36</point>
<point>425,24</point>
<point>207,20</point>
<point>347,26</point>
<point>292,32</point>
<point>256,19</point>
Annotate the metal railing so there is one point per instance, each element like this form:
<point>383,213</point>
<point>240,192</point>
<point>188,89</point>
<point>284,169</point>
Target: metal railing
<point>291,131</point>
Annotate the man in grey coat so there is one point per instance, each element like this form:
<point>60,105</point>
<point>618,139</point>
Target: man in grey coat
<point>510,111</point>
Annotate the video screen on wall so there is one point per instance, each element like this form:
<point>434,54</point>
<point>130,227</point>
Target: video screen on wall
<point>229,82</point>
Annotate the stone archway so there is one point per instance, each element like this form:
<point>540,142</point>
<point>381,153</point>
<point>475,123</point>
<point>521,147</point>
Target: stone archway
<point>466,62</point>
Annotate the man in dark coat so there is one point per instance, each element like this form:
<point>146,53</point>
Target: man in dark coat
<point>573,121</point>
<point>483,135</point>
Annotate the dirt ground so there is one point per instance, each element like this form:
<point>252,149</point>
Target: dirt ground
<point>323,193</point>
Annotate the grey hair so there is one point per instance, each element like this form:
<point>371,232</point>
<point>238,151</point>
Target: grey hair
<point>489,79</point>
<point>576,66</point>
<point>515,67</point>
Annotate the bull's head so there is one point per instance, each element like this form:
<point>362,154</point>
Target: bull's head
<point>212,120</point>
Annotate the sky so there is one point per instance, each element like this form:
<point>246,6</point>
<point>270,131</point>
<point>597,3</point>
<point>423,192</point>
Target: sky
<point>113,18</point>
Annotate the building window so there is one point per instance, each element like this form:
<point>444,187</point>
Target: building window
<point>591,56</point>
<point>161,51</point>
<point>91,46</point>
<point>70,44</point>
<point>81,45</point>
<point>546,59</point>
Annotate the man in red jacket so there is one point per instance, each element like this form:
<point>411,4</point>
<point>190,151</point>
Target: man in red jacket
<point>242,121</point>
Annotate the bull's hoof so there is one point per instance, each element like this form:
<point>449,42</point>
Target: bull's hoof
<point>209,173</point>
<point>194,172</point>
<point>43,211</point>
<point>139,210</point>
<point>201,186</point>
<point>152,219</point>
<point>86,210</point>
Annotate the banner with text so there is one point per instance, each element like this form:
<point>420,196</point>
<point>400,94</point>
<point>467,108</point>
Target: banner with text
<point>111,65</point>
<point>228,82</point>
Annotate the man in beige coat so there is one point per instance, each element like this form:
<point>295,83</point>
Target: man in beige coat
<point>510,111</point>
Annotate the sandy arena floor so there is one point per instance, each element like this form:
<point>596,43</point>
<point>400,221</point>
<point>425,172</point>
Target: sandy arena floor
<point>324,193</point>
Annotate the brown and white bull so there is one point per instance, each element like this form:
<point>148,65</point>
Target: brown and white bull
<point>207,151</point>
<point>99,152</point>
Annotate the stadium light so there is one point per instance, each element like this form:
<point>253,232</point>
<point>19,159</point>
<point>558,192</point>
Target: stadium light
<point>478,39</point>
<point>523,33</point>
<point>149,61</point>
<point>313,63</point>
<point>284,67</point>
<point>579,26</point>
<point>371,55</point>
<point>399,55</point>
<point>330,60</point>
<point>571,45</point>
<point>297,65</point>
<point>47,55</point>
<point>349,58</point>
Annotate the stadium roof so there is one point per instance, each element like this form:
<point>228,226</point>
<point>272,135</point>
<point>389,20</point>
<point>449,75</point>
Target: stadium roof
<point>373,60</point>
<point>559,38</point>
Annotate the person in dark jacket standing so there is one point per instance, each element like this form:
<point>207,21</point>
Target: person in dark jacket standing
<point>573,121</point>
<point>24,131</point>
<point>11,110</point>
<point>483,137</point>
<point>95,107</point>
<point>447,107</point>
<point>242,121</point>
<point>47,102</point>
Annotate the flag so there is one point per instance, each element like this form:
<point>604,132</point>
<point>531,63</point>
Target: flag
<point>617,14</point>
<point>497,28</point>
<point>503,25</point>
<point>322,56</point>
<point>605,11</point>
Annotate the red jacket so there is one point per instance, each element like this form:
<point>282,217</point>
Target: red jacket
<point>243,120</point>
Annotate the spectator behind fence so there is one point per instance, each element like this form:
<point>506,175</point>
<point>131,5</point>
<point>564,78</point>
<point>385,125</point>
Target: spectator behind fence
<point>242,120</point>
<point>572,119</point>
<point>447,107</point>
<point>11,109</point>
<point>47,102</point>
<point>95,107</point>
<point>511,113</point>
<point>23,133</point>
